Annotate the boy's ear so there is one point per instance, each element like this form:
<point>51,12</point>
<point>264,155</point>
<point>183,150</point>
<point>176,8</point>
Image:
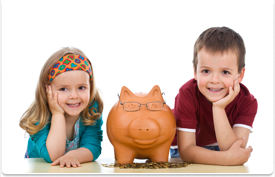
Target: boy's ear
<point>195,73</point>
<point>241,75</point>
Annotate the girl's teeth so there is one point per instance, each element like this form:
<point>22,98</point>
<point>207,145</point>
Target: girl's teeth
<point>74,104</point>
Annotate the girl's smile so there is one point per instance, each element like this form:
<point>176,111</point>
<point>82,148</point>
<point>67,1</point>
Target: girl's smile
<point>76,105</point>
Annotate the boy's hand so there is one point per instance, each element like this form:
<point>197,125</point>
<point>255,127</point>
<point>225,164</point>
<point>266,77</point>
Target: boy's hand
<point>53,104</point>
<point>237,155</point>
<point>222,103</point>
<point>69,160</point>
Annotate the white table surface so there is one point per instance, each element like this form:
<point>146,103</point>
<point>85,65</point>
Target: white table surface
<point>38,165</point>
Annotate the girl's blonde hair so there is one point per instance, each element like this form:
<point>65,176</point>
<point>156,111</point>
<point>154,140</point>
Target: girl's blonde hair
<point>38,114</point>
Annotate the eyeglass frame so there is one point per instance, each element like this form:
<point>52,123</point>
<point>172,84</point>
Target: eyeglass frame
<point>143,103</point>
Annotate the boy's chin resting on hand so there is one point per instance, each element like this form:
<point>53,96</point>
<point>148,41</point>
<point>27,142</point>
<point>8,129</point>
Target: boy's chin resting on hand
<point>222,103</point>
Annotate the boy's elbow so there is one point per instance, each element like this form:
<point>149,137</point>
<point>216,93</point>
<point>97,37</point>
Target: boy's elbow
<point>186,145</point>
<point>185,154</point>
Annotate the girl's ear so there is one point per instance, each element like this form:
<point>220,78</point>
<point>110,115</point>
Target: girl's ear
<point>240,78</point>
<point>125,94</point>
<point>156,93</point>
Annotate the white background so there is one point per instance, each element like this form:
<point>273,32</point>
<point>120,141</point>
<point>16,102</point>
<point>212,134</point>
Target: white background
<point>137,44</point>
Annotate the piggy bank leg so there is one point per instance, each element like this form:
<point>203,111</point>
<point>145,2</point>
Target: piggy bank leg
<point>160,154</point>
<point>124,154</point>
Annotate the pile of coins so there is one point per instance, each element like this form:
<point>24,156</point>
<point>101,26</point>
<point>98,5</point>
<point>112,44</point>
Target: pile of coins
<point>148,165</point>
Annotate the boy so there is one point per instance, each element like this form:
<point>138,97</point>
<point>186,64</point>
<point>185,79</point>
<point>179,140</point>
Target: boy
<point>213,111</point>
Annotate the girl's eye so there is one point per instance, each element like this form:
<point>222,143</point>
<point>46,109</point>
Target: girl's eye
<point>82,88</point>
<point>205,71</point>
<point>63,89</point>
<point>226,72</point>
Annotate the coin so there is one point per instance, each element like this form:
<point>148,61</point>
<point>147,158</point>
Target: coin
<point>147,165</point>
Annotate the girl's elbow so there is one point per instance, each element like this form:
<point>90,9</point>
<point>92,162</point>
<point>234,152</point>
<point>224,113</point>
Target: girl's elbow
<point>46,157</point>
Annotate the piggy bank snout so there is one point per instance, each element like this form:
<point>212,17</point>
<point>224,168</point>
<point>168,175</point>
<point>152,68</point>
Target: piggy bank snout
<point>144,128</point>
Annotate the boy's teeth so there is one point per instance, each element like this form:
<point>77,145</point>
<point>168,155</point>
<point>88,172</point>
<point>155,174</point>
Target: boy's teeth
<point>215,89</point>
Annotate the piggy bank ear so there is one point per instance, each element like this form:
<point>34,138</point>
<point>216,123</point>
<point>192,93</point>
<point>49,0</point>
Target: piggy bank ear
<point>125,94</point>
<point>156,93</point>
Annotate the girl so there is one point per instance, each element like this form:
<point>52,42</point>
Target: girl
<point>65,119</point>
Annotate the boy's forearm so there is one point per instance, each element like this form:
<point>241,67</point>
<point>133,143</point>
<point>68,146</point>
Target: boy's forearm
<point>84,155</point>
<point>224,132</point>
<point>56,140</point>
<point>201,155</point>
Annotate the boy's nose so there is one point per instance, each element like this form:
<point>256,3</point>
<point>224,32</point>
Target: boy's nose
<point>215,78</point>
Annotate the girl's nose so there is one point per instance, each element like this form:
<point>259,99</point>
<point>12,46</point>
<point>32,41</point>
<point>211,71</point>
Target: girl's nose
<point>73,94</point>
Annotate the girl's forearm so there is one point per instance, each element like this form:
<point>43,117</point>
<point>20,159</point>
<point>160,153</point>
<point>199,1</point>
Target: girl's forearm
<point>56,140</point>
<point>84,155</point>
<point>224,132</point>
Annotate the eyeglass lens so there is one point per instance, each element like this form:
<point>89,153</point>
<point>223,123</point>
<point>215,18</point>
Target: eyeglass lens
<point>132,106</point>
<point>155,105</point>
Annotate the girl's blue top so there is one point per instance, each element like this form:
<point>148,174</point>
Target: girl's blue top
<point>90,137</point>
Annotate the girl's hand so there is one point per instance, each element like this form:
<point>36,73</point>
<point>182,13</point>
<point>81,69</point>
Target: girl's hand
<point>69,160</point>
<point>237,155</point>
<point>53,104</point>
<point>222,103</point>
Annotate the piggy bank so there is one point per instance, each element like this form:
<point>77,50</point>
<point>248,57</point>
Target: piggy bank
<point>141,126</point>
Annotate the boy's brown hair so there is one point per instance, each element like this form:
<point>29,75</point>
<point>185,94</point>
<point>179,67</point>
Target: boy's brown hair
<point>220,39</point>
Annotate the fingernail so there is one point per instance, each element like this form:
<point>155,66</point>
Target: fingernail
<point>243,138</point>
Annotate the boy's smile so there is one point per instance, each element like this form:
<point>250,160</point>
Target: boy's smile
<point>216,72</point>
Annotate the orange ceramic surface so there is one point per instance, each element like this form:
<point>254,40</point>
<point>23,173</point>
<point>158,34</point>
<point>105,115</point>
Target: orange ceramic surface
<point>142,134</point>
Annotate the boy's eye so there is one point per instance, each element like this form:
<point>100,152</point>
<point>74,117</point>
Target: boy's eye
<point>205,71</point>
<point>226,72</point>
<point>63,89</point>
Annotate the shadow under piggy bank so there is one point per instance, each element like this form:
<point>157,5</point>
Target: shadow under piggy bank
<point>141,126</point>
